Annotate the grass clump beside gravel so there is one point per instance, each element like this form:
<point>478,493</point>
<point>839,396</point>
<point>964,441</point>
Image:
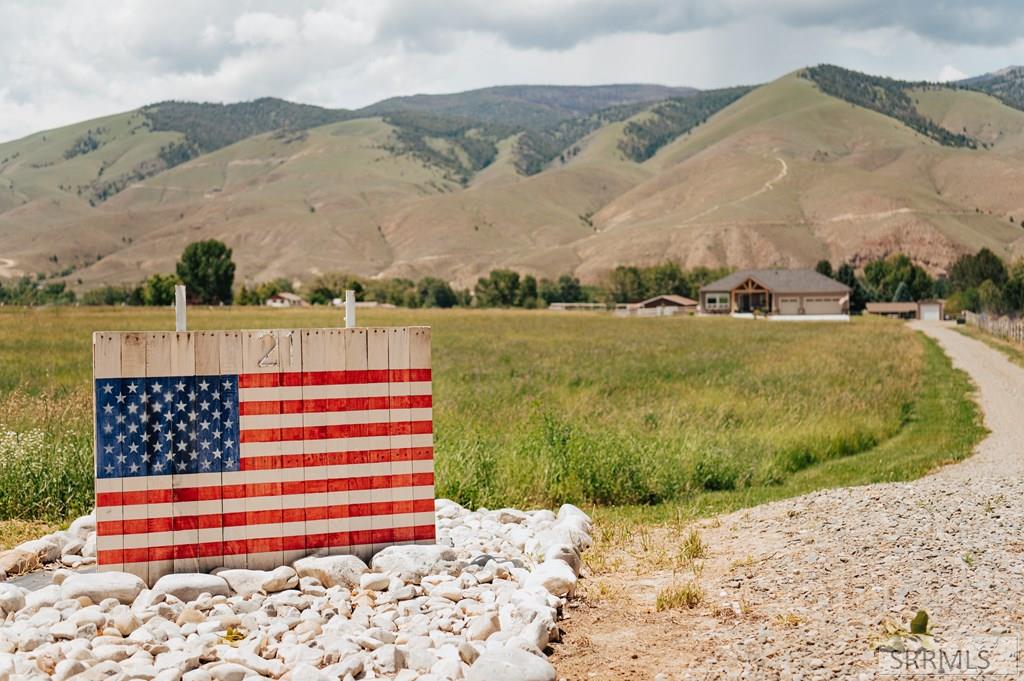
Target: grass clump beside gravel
<point>679,596</point>
<point>538,408</point>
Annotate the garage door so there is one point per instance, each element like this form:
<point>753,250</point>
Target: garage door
<point>789,306</point>
<point>822,306</point>
<point>930,312</point>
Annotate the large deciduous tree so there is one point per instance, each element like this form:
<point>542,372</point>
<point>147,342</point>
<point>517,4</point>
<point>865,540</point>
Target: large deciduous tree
<point>207,271</point>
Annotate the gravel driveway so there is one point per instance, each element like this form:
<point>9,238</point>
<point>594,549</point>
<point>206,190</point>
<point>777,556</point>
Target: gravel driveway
<point>805,588</point>
<point>1001,396</point>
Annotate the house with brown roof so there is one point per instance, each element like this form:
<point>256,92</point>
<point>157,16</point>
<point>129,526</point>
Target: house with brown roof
<point>777,293</point>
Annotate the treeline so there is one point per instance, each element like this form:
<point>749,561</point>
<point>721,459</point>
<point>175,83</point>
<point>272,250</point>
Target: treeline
<point>209,126</point>
<point>472,145</point>
<point>672,118</point>
<point>631,284</point>
<point>886,96</point>
<point>978,282</point>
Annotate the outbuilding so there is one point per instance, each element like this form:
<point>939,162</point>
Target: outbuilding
<point>928,310</point>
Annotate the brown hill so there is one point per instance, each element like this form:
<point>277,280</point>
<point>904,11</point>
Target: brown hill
<point>786,175</point>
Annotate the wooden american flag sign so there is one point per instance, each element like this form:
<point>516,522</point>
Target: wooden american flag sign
<point>255,448</point>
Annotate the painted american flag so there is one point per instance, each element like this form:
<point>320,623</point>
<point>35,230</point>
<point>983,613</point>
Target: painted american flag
<point>255,448</point>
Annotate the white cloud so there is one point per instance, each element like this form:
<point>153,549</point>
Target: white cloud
<point>260,29</point>
<point>950,72</point>
<point>63,61</point>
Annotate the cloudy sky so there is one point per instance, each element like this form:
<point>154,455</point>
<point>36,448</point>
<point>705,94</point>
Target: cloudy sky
<point>65,61</point>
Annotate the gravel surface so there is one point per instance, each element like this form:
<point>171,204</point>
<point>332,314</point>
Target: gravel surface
<point>811,587</point>
<point>482,604</point>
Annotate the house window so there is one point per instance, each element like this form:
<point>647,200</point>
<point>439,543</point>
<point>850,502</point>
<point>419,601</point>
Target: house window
<point>716,301</point>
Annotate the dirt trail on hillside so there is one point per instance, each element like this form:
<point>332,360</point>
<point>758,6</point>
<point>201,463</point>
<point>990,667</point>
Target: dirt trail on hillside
<point>802,588</point>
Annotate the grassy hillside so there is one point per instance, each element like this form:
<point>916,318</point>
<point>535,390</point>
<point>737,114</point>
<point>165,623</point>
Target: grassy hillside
<point>822,163</point>
<point>1006,85</point>
<point>886,96</point>
<point>527,106</point>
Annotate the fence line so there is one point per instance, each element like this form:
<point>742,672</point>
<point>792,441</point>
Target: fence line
<point>1001,327</point>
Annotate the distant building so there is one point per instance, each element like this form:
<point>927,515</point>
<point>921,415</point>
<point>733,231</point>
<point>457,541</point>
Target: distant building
<point>799,294</point>
<point>929,310</point>
<point>659,306</point>
<point>576,307</point>
<point>286,299</point>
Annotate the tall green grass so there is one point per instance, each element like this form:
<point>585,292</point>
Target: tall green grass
<point>530,407</point>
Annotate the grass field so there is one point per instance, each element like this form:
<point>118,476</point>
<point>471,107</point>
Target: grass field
<point>533,408</point>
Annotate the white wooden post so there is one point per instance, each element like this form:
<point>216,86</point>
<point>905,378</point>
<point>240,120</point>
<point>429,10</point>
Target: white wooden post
<point>179,308</point>
<point>350,309</point>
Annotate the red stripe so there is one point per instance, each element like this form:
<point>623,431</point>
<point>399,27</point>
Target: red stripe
<point>343,430</point>
<point>294,378</point>
<point>239,547</point>
<point>277,516</point>
<point>266,489</point>
<point>334,404</point>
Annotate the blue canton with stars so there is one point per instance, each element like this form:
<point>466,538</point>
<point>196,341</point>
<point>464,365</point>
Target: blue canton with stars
<point>166,425</point>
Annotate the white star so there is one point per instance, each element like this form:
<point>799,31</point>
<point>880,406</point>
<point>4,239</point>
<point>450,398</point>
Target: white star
<point>133,388</point>
<point>121,458</point>
<point>120,438</point>
<point>168,396</point>
<point>228,423</point>
<point>228,444</point>
<point>193,455</point>
<point>227,404</point>
<point>108,429</point>
<point>215,413</point>
<point>134,468</point>
<point>179,386</point>
<point>229,463</point>
<point>107,389</point>
<point>180,406</point>
<point>182,446</point>
<point>108,449</point>
<point>109,469</point>
<point>204,405</point>
<point>133,448</point>
<point>192,435</point>
<point>205,425</point>
<point>204,385</point>
<point>170,455</point>
<point>143,417</point>
<point>132,427</point>
<point>108,409</point>
<point>120,398</point>
<point>181,425</point>
<point>227,385</point>
<point>215,395</point>
<point>144,397</point>
<point>191,395</point>
<point>206,465</point>
<point>156,387</point>
<point>158,466</point>
<point>205,444</point>
<point>216,434</point>
<point>182,466</point>
<point>216,453</point>
<point>192,416</point>
<point>119,418</point>
<point>157,407</point>
<point>146,457</point>
<point>132,408</point>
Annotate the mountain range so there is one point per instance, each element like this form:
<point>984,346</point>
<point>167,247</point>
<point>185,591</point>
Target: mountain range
<point>820,163</point>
